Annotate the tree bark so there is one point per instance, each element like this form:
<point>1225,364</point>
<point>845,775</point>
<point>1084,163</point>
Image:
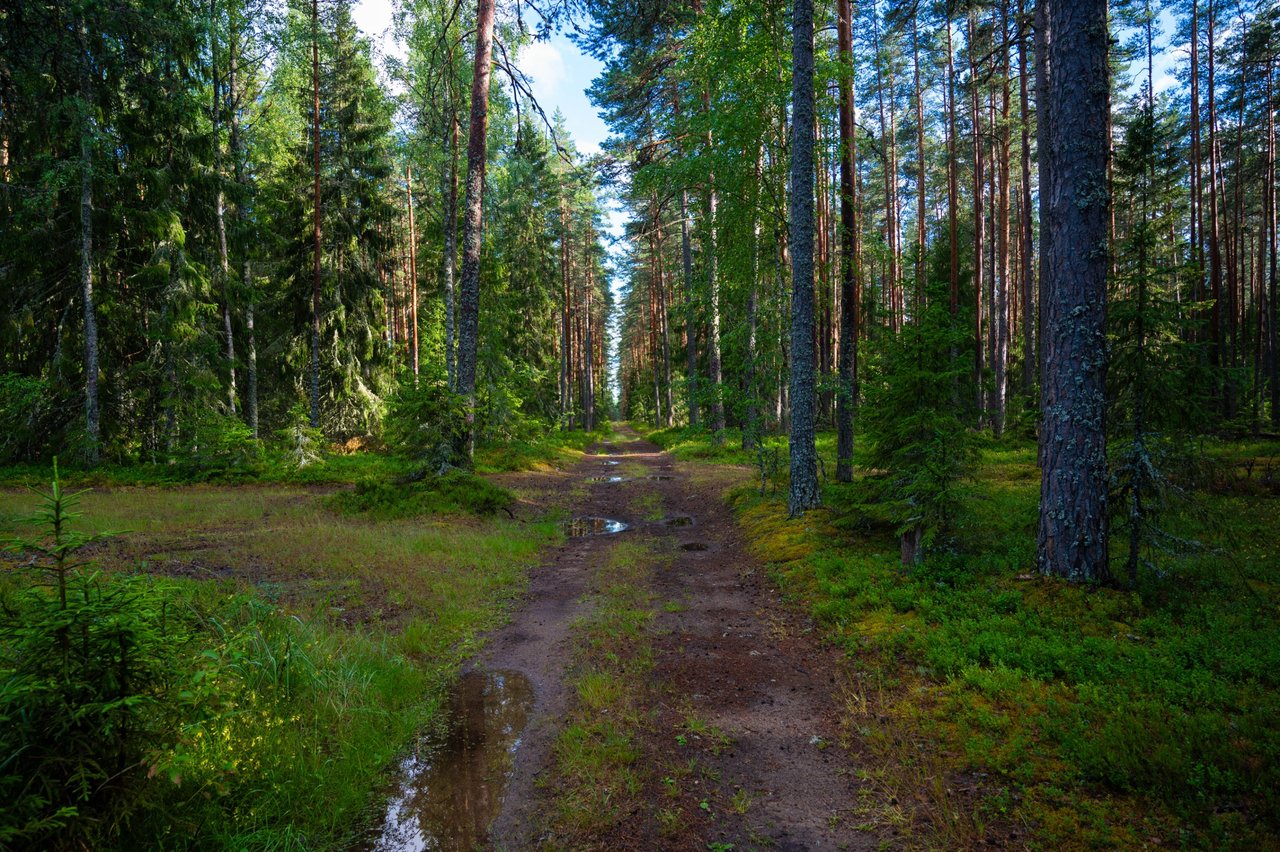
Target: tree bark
<point>449,260</point>
<point>473,223</point>
<point>1072,541</point>
<point>804,492</point>
<point>92,423</point>
<point>315,202</point>
<point>413,276</point>
<point>1027,251</point>
<point>220,214</point>
<point>847,360</point>
<point>979,217</point>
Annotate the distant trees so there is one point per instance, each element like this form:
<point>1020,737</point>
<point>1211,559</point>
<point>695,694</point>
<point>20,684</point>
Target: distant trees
<point>206,192</point>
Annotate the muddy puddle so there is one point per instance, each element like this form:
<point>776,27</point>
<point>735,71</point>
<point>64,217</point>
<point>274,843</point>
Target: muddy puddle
<point>451,786</point>
<point>660,477</point>
<point>576,527</point>
<point>613,479</point>
<point>696,546</point>
<point>678,521</point>
<point>610,462</point>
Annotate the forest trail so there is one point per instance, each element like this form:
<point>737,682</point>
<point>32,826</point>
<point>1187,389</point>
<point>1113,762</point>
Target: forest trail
<point>739,684</point>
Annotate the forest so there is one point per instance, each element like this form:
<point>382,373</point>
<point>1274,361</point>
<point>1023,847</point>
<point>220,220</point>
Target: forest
<point>874,442</point>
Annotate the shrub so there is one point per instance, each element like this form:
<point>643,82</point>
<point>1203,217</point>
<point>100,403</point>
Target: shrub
<point>917,436</point>
<point>453,491</point>
<point>86,670</point>
<point>428,424</point>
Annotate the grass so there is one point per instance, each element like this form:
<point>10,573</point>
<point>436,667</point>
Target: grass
<point>598,777</point>
<point>1003,704</point>
<point>319,643</point>
<point>270,464</point>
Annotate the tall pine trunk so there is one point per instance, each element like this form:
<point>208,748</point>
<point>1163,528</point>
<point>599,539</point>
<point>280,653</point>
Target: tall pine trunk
<point>93,432</point>
<point>473,221</point>
<point>315,202</point>
<point>449,258</point>
<point>1027,249</point>
<point>847,360</point>
<point>804,492</point>
<point>413,275</point>
<point>1075,103</point>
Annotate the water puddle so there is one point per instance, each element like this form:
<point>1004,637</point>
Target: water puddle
<point>610,462</point>
<point>678,521</point>
<point>614,478</point>
<point>694,545</point>
<point>576,527</point>
<point>660,477</point>
<point>451,786</point>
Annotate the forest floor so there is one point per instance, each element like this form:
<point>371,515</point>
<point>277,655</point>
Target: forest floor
<point>713,675</point>
<point>679,704</point>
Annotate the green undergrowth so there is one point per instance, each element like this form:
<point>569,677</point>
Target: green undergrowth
<point>265,463</point>
<point>598,777</point>
<point>555,449</point>
<point>265,703</point>
<point>1086,717</point>
<point>455,491</point>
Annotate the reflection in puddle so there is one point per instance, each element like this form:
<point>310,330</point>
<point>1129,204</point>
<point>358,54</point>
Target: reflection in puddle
<point>451,786</point>
<point>592,526</point>
<point>678,521</point>
<point>694,545</point>
<point>660,476</point>
<point>610,461</point>
<point>614,478</point>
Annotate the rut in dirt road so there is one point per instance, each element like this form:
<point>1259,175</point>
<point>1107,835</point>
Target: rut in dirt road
<point>728,658</point>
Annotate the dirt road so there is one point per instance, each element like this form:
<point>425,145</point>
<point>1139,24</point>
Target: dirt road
<point>738,686</point>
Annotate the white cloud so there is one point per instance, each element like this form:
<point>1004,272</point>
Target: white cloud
<point>544,65</point>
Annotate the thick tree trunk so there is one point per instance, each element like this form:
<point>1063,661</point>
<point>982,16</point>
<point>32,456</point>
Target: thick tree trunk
<point>953,187</point>
<point>691,337</point>
<point>979,216</point>
<point>251,358</point>
<point>1074,107</point>
<point>664,317</point>
<point>804,492</point>
<point>713,292</point>
<point>315,202</point>
<point>449,259</point>
<point>413,276</point>
<point>1027,250</point>
<point>1000,304</point>
<point>847,366</point>
<point>242,181</point>
<point>1273,358</point>
<point>921,233</point>
<point>566,353</point>
<point>473,223</point>
<point>1216,345</point>
<point>220,217</point>
<point>93,432</point>
<point>588,345</point>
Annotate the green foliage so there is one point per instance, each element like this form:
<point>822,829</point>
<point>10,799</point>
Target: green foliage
<point>427,424</point>
<point>88,686</point>
<point>221,447</point>
<point>919,445</point>
<point>452,491</point>
<point>302,445</point>
<point>24,416</point>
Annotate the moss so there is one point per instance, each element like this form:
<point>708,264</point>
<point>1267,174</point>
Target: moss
<point>1093,716</point>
